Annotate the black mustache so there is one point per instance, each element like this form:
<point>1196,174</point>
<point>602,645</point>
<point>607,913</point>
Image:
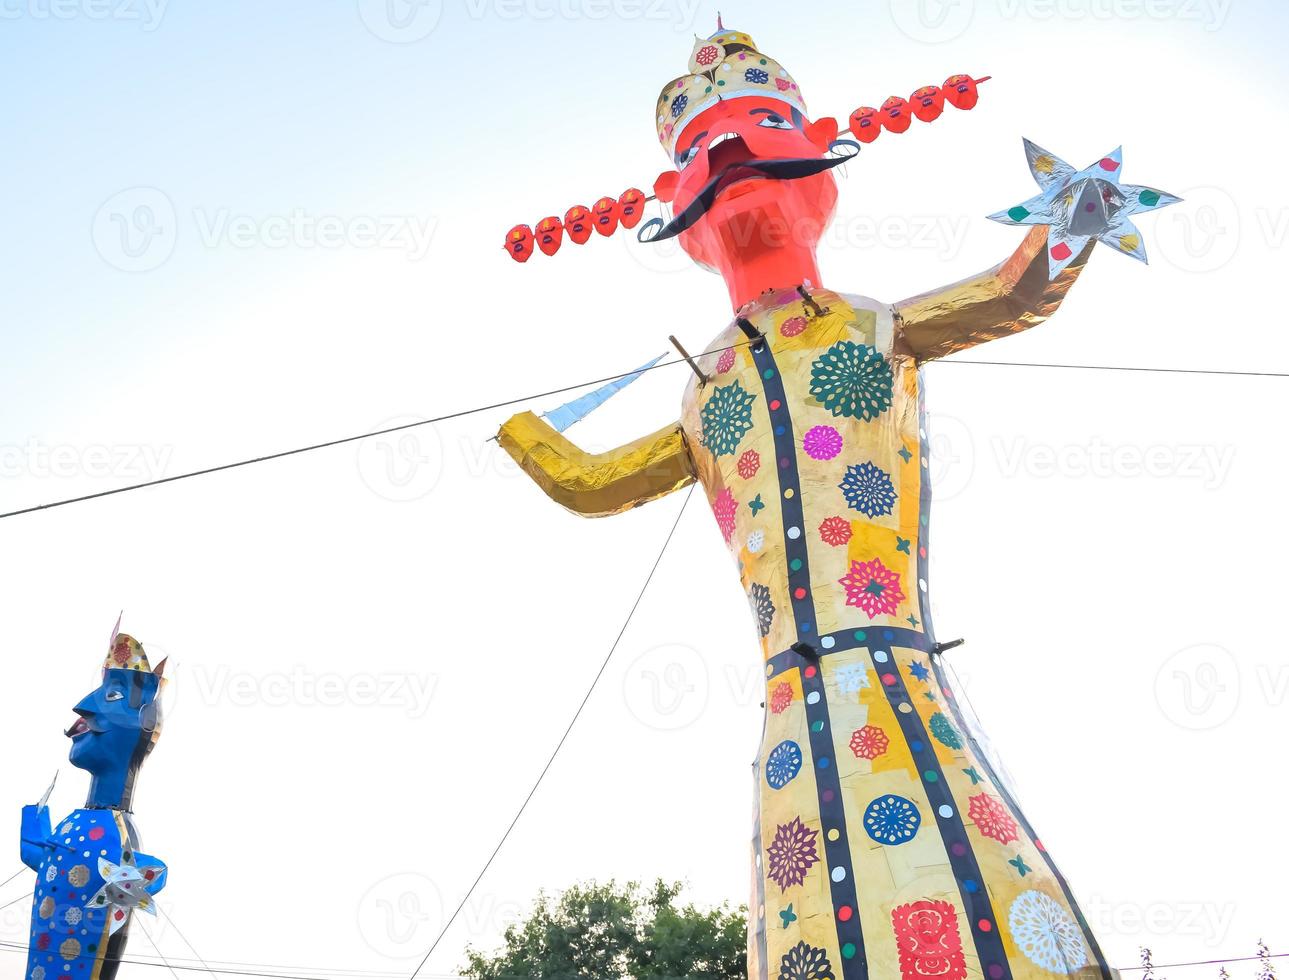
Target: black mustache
<point>793,168</point>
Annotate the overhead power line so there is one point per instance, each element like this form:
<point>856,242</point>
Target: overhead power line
<point>343,440</point>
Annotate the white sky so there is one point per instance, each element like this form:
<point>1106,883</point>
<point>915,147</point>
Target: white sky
<point>304,824</point>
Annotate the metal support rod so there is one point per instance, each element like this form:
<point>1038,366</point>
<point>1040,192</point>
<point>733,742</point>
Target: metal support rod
<point>940,648</point>
<point>702,378</point>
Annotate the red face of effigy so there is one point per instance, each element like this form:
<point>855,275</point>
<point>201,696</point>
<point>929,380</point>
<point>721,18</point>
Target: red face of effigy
<point>750,212</point>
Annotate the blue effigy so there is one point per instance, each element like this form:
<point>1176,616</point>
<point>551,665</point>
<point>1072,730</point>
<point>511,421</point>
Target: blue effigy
<point>90,874</point>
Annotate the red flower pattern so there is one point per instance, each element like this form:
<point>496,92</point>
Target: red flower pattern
<point>748,464</point>
<point>781,698</point>
<point>869,742</point>
<point>835,531</point>
<point>992,819</point>
<point>794,325</point>
<point>926,935</point>
<point>725,508</point>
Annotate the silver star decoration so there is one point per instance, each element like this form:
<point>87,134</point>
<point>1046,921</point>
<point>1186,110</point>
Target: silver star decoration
<point>1079,206</point>
<point>125,887</point>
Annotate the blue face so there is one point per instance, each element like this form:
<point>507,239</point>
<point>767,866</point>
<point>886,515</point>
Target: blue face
<point>115,725</point>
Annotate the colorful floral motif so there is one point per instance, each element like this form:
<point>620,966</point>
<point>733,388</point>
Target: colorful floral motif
<point>992,819</point>
<point>872,587</point>
<point>869,742</point>
<point>757,76</point>
<point>781,698</point>
<point>756,541</point>
<point>851,678</point>
<point>725,361</point>
<point>805,962</point>
<point>1046,933</point>
<point>793,326</point>
<point>782,764</point>
<point>835,531</point>
<point>727,418</point>
<point>892,820</point>
<point>725,507</point>
<point>763,606</point>
<point>944,732</point>
<point>792,853</point>
<point>852,380</point>
<point>748,464</point>
<point>929,944</point>
<point>868,490</point>
<point>822,442</point>
<point>678,105</point>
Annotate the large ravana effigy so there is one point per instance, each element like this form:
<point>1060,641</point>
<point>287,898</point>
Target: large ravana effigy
<point>885,841</point>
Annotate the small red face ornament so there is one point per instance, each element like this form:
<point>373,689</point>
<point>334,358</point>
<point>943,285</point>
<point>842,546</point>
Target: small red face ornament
<point>577,222</point>
<point>927,103</point>
<point>961,91</point>
<point>631,207</point>
<point>519,243</point>
<point>896,115</point>
<point>865,124</point>
<point>550,235</point>
<point>604,213</point>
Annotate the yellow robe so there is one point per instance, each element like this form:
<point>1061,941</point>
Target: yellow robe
<point>885,843</point>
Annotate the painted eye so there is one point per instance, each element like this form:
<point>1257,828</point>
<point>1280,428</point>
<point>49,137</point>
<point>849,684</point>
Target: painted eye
<point>115,695</point>
<point>686,158</point>
<point>773,121</point>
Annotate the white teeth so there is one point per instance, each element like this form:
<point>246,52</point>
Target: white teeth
<point>721,139</point>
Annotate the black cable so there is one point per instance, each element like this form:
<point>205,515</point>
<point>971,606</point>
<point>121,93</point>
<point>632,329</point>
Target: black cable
<point>20,898</point>
<point>559,745</point>
<point>346,439</point>
<point>16,874</point>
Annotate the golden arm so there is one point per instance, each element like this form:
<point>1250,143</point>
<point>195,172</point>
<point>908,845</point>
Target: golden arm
<point>1007,299</point>
<point>600,484</point>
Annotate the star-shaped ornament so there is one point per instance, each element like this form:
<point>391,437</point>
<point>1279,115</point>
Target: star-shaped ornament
<point>1080,206</point>
<point>125,887</point>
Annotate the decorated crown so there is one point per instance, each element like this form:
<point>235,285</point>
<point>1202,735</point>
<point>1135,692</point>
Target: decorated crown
<point>126,653</point>
<point>724,66</point>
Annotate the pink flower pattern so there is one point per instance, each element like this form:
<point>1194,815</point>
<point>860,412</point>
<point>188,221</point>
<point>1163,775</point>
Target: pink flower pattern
<point>725,508</point>
<point>872,587</point>
<point>725,361</point>
<point>748,464</point>
<point>822,442</point>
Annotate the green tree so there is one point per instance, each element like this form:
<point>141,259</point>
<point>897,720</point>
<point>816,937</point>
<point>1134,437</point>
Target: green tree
<point>603,931</point>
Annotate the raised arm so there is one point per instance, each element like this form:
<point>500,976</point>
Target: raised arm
<point>1007,299</point>
<point>597,485</point>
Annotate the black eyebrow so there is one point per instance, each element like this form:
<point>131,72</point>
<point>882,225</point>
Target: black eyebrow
<point>692,144</point>
<point>763,112</point>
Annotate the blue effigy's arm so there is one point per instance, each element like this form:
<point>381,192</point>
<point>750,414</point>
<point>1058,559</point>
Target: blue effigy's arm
<point>36,830</point>
<point>143,861</point>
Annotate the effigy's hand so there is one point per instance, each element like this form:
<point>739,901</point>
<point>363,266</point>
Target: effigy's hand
<point>36,831</point>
